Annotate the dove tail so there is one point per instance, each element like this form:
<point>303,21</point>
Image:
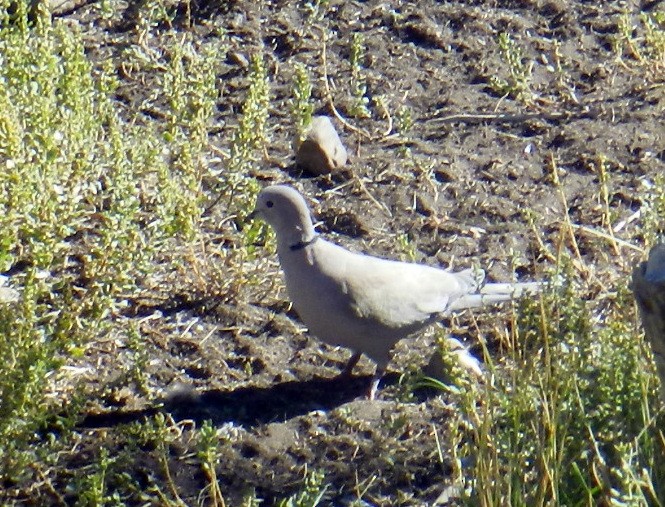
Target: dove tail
<point>512,289</point>
<point>494,293</point>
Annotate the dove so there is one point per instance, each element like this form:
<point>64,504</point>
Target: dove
<point>358,301</point>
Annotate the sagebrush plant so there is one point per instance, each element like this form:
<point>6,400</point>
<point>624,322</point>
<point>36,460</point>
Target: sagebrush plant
<point>567,419</point>
<point>87,200</point>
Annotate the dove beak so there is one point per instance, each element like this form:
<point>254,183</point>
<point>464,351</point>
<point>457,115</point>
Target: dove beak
<point>254,214</point>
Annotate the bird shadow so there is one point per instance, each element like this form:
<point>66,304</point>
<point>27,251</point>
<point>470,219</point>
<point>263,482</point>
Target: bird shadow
<point>247,406</point>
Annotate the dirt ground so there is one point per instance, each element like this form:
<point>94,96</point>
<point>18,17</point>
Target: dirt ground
<point>457,187</point>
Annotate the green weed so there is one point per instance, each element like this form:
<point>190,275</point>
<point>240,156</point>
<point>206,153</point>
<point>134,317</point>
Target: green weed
<point>642,42</point>
<point>403,120</point>
<point>316,10</point>
<point>87,202</point>
<point>568,420</point>
<point>310,495</point>
<point>150,15</point>
<point>360,102</point>
<point>301,106</point>
<point>208,454</point>
<point>407,247</point>
<point>518,84</point>
<point>249,137</point>
<point>653,211</point>
<point>654,36</point>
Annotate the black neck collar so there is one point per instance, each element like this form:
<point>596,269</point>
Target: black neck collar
<point>302,244</point>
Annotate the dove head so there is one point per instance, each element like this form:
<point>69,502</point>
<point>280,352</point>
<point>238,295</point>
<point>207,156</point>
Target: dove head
<point>287,212</point>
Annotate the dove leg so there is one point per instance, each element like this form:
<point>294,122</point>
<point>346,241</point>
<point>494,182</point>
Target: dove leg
<point>374,386</point>
<point>348,369</point>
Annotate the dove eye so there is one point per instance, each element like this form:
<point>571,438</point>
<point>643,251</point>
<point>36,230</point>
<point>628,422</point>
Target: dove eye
<point>269,204</point>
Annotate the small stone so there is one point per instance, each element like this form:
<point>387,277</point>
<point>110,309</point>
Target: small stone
<point>424,205</point>
<point>322,151</point>
<point>7,294</point>
<point>438,369</point>
<point>238,58</point>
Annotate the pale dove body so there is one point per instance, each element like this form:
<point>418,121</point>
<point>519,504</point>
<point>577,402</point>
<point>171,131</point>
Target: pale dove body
<point>358,301</point>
